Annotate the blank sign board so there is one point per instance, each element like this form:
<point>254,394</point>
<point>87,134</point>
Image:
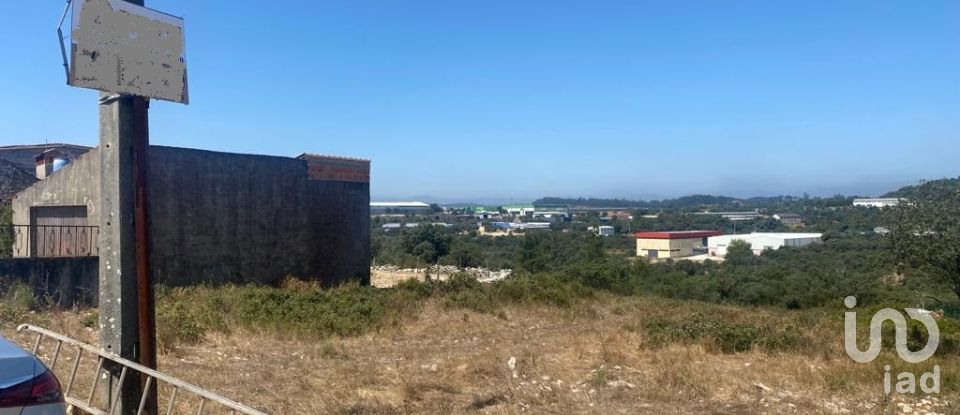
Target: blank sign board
<point>122,48</point>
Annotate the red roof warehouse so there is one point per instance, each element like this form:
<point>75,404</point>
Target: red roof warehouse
<point>677,234</point>
<point>672,244</point>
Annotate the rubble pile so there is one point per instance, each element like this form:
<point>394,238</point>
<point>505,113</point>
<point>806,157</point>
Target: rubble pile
<point>387,275</point>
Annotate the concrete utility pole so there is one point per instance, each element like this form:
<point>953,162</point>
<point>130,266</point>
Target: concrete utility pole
<point>126,289</point>
<point>119,313</point>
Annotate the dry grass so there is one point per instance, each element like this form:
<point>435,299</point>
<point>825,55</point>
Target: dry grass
<point>592,358</point>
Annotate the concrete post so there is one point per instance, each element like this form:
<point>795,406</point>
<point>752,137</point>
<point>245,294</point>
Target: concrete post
<point>119,332</point>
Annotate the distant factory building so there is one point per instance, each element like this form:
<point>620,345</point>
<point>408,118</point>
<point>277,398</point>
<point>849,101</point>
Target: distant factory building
<point>551,207</point>
<point>552,216</point>
<point>603,212</point>
<point>620,215</point>
<point>877,202</point>
<point>606,231</point>
<point>397,225</point>
<point>520,225</point>
<point>761,241</point>
<point>519,210</point>
<point>734,216</point>
<point>509,228</point>
<point>675,244</point>
<point>400,208</point>
<point>789,219</point>
<point>486,212</point>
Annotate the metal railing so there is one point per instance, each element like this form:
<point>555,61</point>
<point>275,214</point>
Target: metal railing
<point>50,241</point>
<point>153,379</point>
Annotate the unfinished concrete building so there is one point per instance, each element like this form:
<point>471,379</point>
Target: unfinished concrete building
<point>217,217</point>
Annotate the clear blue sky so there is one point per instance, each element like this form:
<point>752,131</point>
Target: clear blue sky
<point>508,99</point>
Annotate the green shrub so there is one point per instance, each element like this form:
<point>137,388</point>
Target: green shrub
<point>721,335</point>
<point>6,233</point>
<point>735,338</point>
<point>20,296</point>
<point>177,325</point>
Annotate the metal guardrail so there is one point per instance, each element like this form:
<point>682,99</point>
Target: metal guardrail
<point>153,378</point>
<point>50,241</point>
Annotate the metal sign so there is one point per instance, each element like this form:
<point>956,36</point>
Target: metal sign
<point>126,49</point>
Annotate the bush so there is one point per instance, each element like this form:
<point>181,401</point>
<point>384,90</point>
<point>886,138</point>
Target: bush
<point>16,303</point>
<point>185,314</point>
<point>6,234</point>
<point>540,289</point>
<point>722,336</point>
<point>176,325</point>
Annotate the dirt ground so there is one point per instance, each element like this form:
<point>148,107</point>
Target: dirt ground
<point>541,360</point>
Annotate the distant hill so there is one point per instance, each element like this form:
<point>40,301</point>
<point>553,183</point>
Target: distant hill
<point>694,201</point>
<point>907,191</point>
<point>591,202</point>
<point>700,202</point>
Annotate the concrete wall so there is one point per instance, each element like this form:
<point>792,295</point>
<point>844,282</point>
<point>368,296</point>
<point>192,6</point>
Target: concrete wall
<point>65,281</point>
<point>221,217</point>
<point>340,231</point>
<point>77,184</point>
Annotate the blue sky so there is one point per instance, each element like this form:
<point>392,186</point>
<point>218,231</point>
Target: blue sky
<point>511,100</point>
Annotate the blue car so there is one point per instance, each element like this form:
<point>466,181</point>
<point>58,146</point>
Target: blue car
<point>27,387</point>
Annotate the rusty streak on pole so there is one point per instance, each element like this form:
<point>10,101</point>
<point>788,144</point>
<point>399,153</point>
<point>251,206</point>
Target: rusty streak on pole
<point>145,295</point>
<point>146,311</point>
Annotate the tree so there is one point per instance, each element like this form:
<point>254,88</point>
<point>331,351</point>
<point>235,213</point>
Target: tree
<point>427,242</point>
<point>425,252</point>
<point>925,231</point>
<point>465,254</point>
<point>739,253</point>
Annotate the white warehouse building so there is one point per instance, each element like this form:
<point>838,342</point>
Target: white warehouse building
<point>877,202</point>
<point>399,208</point>
<point>759,241</point>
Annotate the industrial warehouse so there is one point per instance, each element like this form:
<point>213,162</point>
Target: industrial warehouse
<point>700,244</point>
<point>400,208</point>
<point>761,241</point>
<point>676,244</point>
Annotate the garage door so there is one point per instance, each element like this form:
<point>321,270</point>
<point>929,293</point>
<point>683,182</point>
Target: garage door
<point>61,231</point>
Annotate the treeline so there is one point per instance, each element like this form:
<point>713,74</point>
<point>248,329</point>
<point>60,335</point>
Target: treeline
<point>699,202</point>
<point>715,202</point>
<point>795,278</point>
<point>681,202</point>
<point>427,245</point>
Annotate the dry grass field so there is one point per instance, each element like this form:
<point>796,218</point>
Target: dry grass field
<point>601,356</point>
